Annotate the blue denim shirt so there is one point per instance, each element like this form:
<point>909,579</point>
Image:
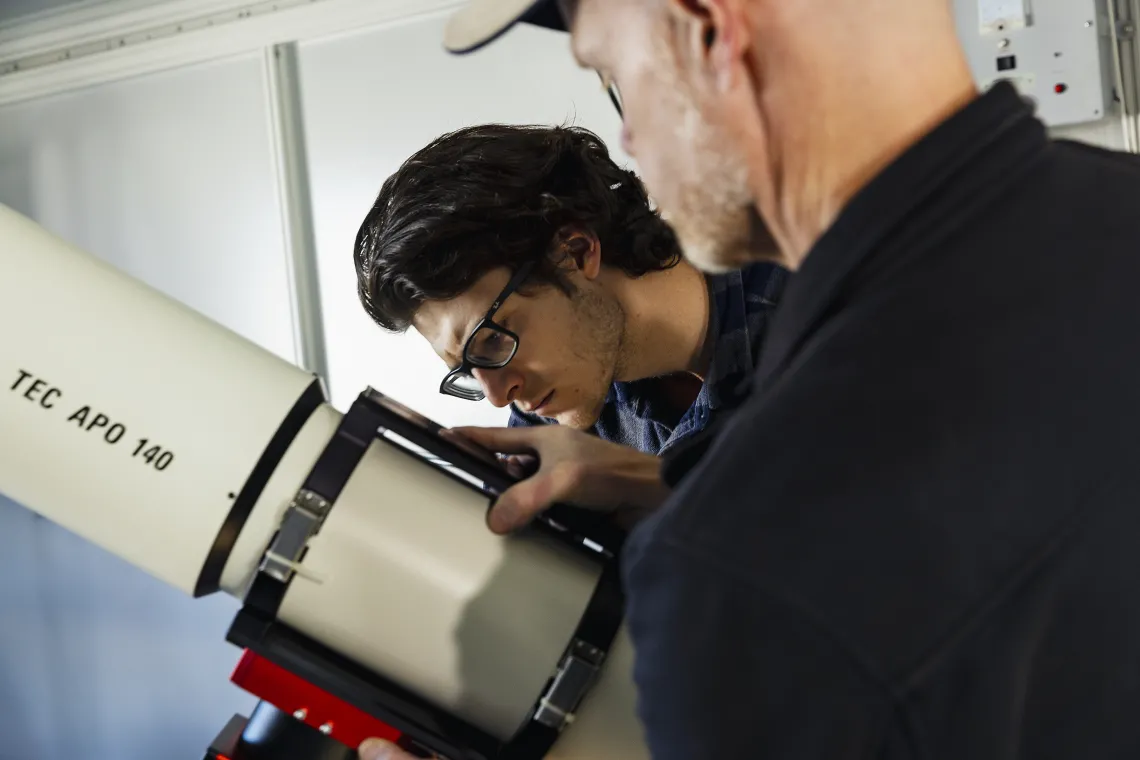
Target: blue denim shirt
<point>634,415</point>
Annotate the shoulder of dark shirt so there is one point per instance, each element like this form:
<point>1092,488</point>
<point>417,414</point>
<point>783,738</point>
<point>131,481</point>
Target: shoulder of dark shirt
<point>873,490</point>
<point>871,457</point>
<point>1089,150</point>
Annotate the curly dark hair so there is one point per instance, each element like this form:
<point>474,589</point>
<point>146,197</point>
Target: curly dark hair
<point>499,195</point>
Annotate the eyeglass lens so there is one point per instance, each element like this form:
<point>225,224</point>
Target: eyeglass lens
<point>490,348</point>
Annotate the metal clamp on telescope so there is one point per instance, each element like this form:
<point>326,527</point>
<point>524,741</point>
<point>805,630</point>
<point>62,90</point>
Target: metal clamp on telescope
<point>302,521</point>
<point>422,724</point>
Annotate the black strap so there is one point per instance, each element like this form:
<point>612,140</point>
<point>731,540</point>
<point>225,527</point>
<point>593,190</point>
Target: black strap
<point>596,629</point>
<point>210,578</point>
<point>606,610</point>
<point>343,452</point>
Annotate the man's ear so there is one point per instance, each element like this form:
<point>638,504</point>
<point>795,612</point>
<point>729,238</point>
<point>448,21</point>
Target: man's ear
<point>715,34</point>
<point>578,249</point>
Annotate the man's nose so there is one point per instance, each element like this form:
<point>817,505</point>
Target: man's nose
<point>500,385</point>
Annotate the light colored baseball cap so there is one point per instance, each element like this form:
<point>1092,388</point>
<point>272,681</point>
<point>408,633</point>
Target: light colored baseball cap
<point>480,22</point>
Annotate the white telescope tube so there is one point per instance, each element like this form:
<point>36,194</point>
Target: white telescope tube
<point>128,418</point>
<point>177,445</point>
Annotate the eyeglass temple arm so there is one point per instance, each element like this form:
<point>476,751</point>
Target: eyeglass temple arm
<point>613,95</point>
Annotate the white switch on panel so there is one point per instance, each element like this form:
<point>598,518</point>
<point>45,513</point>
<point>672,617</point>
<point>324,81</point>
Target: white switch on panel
<point>1001,15</point>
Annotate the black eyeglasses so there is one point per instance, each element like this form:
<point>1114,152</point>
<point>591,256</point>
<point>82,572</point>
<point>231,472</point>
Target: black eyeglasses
<point>490,346</point>
<point>612,90</point>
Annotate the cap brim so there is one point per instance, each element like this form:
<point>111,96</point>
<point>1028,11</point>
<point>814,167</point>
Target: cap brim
<point>480,22</point>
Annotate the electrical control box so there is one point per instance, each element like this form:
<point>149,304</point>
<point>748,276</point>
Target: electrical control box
<point>1056,52</point>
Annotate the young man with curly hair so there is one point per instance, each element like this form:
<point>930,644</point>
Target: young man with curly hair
<point>540,273</point>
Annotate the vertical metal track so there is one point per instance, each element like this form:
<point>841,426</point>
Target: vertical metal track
<point>1122,18</point>
<point>1130,53</point>
<point>291,162</point>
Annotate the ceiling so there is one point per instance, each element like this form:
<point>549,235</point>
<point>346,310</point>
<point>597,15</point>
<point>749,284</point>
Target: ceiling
<point>14,9</point>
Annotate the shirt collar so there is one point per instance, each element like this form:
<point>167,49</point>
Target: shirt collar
<point>733,297</point>
<point>727,356</point>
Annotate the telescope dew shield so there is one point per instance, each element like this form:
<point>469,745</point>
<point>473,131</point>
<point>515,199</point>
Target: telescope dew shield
<point>494,644</point>
<point>474,622</point>
<point>129,418</point>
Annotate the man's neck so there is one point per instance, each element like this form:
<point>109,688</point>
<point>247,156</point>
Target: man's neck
<point>666,323</point>
<point>828,127</point>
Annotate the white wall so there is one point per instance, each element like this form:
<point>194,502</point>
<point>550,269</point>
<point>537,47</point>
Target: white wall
<point>169,177</point>
<point>1107,133</point>
<point>371,100</point>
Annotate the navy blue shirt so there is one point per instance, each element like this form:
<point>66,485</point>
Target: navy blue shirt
<point>635,416</point>
<point>917,539</point>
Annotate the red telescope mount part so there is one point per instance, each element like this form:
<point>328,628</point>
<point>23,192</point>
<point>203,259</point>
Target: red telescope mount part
<point>313,706</point>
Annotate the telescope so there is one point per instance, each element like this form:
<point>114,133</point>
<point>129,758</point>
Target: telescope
<point>374,599</point>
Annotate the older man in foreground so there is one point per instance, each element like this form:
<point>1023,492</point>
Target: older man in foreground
<point>917,538</point>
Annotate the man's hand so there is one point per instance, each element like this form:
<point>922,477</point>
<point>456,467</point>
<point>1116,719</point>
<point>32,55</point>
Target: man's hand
<point>379,749</point>
<point>572,467</point>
